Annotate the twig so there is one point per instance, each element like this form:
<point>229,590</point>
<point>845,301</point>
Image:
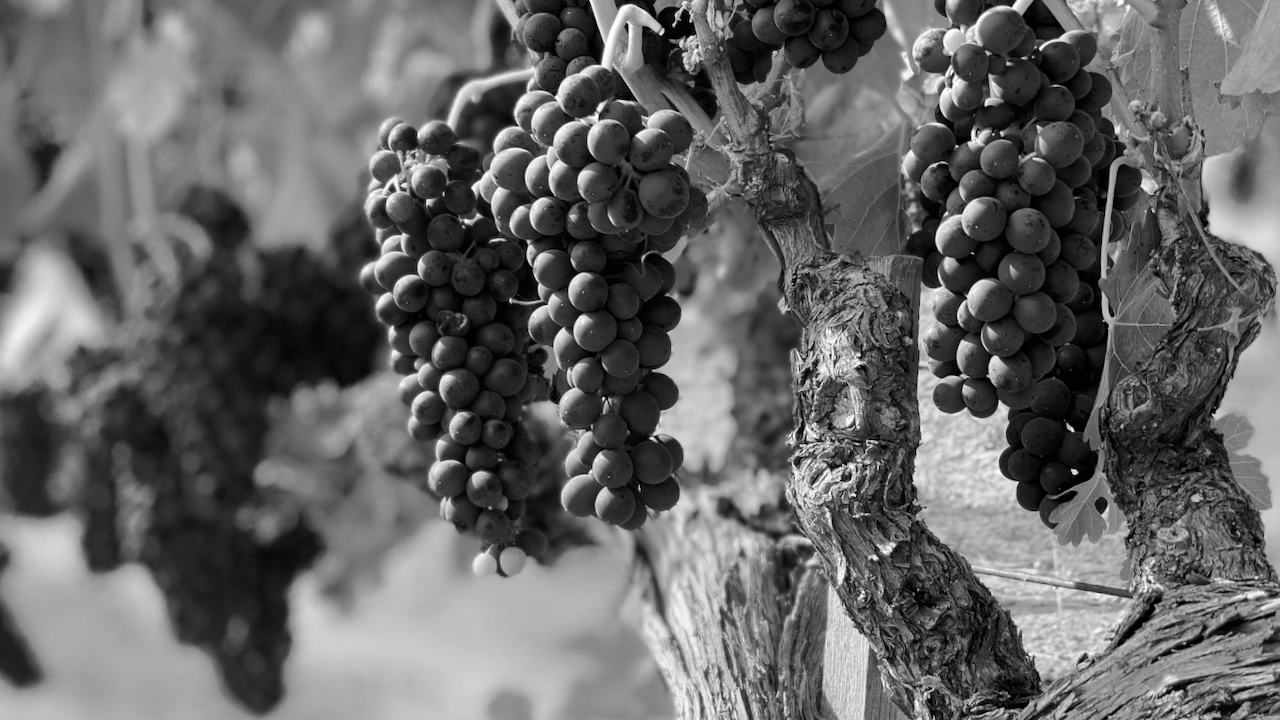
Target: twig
<point>473,90</point>
<point>1054,582</point>
<point>744,124</point>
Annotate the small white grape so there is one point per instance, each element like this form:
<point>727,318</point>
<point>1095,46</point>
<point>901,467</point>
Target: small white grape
<point>502,504</point>
<point>953,40</point>
<point>484,565</point>
<point>513,560</point>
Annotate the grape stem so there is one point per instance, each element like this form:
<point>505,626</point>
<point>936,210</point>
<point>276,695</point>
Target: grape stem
<point>633,19</point>
<point>473,90</point>
<point>1066,17</point>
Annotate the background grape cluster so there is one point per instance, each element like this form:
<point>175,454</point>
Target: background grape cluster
<point>1013,176</point>
<point>169,421</point>
<point>835,32</point>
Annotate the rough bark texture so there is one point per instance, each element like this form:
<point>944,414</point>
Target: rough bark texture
<point>944,641</point>
<point>1203,652</point>
<point>1189,521</point>
<point>733,616</point>
<point>722,603</point>
<point>724,589</point>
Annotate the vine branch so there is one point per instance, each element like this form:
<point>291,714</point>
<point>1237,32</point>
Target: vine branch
<point>1168,57</point>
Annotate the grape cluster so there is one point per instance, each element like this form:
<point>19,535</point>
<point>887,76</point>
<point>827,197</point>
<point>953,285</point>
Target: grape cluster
<point>589,184</point>
<point>445,283</point>
<point>1013,174</point>
<point>169,423</point>
<point>837,32</point>
<point>30,440</point>
<point>565,38</point>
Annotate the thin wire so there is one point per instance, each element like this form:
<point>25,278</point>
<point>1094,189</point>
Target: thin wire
<point>1055,582</point>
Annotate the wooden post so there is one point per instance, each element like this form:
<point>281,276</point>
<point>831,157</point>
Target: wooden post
<point>851,684</point>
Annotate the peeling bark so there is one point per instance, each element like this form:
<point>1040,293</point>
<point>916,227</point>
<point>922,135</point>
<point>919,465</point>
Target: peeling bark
<point>943,640</point>
<point>1205,652</point>
<point>732,616</point>
<point>1189,521</point>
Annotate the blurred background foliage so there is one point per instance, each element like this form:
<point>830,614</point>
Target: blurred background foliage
<point>112,112</point>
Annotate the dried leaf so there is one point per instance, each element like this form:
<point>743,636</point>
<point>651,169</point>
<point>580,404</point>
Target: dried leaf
<point>1142,315</point>
<point>1212,34</point>
<point>1255,70</point>
<point>1236,432</point>
<point>1079,517</point>
<point>863,197</point>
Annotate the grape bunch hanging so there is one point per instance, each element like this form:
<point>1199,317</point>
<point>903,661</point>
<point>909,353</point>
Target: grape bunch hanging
<point>837,32</point>
<point>168,422</point>
<point>588,183</point>
<point>1014,175</point>
<point>445,282</point>
<point>549,245</point>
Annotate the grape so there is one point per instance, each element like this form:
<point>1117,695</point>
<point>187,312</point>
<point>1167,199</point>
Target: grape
<point>1035,312</point>
<point>1022,273</point>
<point>664,194</point>
<point>675,125</point>
<point>651,149</point>
<point>984,219</point>
<point>578,95</point>
<point>976,184</point>
<point>928,51</point>
<point>979,396</point>
<point>1018,84</point>
<point>1011,374</point>
<point>1059,143</point>
<point>948,395</point>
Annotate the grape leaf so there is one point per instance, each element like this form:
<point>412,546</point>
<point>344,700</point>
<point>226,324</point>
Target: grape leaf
<point>1255,70</point>
<point>1212,34</point>
<point>1236,432</point>
<point>1141,311</point>
<point>1079,517</point>
<point>863,197</point>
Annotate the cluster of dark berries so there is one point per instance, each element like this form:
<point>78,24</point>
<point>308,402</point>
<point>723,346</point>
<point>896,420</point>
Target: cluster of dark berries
<point>446,282</point>
<point>837,32</point>
<point>1014,178</point>
<point>590,185</point>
